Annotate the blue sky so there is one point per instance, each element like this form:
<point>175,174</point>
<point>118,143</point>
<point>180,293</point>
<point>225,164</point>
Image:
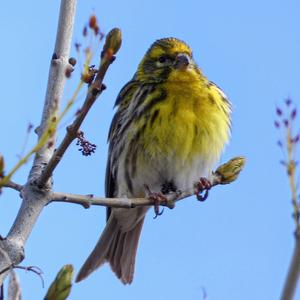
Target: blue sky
<point>236,245</point>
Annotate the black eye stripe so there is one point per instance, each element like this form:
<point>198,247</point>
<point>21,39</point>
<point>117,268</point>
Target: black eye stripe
<point>163,58</point>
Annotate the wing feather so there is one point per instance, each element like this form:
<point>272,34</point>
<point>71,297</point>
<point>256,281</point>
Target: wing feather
<point>134,92</point>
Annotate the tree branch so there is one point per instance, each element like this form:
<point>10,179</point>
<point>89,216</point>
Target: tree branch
<point>225,174</point>
<point>56,82</point>
<point>94,92</point>
<point>35,199</point>
<point>87,200</point>
<point>37,192</point>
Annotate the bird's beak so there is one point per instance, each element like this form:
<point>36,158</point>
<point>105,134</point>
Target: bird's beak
<point>182,61</point>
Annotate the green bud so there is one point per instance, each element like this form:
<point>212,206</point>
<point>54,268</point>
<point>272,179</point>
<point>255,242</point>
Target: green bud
<point>61,286</point>
<point>113,42</point>
<point>230,171</point>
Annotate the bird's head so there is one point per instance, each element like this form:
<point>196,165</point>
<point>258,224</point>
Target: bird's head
<point>167,58</point>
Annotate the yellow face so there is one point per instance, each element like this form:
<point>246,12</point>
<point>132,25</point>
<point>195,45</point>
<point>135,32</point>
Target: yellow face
<point>165,59</point>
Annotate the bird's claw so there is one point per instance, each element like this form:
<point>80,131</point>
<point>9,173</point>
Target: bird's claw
<point>203,185</point>
<point>158,199</point>
<point>157,211</point>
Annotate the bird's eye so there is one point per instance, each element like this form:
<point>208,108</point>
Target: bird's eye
<point>162,59</point>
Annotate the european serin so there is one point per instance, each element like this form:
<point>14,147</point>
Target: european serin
<point>169,130</point>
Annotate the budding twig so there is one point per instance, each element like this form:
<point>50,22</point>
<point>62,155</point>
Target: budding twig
<point>94,91</point>
<point>285,122</point>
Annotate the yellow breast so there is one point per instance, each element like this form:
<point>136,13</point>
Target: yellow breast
<point>192,121</point>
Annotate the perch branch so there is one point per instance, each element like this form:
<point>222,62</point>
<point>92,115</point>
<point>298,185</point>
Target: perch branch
<point>87,200</point>
<point>225,174</point>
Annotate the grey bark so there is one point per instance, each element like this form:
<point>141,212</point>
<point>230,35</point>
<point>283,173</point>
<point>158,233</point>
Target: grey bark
<point>34,197</point>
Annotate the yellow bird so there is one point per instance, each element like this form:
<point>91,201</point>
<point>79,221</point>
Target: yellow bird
<point>169,130</point>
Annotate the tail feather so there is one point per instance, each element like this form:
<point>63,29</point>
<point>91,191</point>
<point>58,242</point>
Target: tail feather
<point>117,248</point>
<point>115,255</point>
<point>128,261</point>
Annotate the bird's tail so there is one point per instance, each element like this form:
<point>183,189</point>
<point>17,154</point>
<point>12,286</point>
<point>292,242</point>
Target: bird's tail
<point>115,247</point>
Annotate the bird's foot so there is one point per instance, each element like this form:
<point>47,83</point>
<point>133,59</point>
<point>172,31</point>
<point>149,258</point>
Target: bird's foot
<point>158,199</point>
<point>202,186</point>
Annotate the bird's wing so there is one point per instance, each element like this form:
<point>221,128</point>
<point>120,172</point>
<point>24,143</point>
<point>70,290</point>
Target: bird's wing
<point>122,102</point>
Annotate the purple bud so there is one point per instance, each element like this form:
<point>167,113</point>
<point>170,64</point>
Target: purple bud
<point>294,113</point>
<point>29,127</point>
<point>296,139</point>
<point>276,124</point>
<point>286,122</point>
<point>278,111</point>
<point>279,143</point>
<point>288,101</point>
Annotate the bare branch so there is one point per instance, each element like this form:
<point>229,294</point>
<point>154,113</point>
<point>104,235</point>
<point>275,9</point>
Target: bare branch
<point>34,269</point>
<point>56,79</point>
<point>38,271</point>
<point>34,199</point>
<point>54,92</point>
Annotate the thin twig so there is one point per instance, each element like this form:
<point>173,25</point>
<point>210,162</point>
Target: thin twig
<point>14,186</point>
<point>286,120</point>
<point>291,171</point>
<point>38,271</point>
